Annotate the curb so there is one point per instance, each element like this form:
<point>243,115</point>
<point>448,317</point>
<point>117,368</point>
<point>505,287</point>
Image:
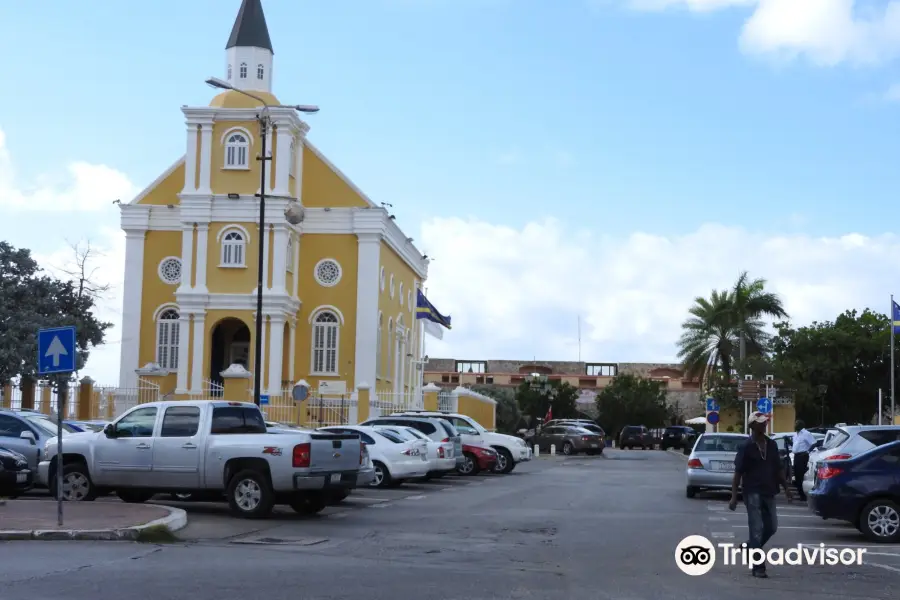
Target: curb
<point>175,520</point>
<point>677,453</point>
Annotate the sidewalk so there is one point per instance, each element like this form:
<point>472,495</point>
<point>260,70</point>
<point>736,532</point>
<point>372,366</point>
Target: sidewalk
<point>36,519</point>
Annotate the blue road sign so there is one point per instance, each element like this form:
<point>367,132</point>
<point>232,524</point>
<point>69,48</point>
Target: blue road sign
<point>764,405</point>
<point>56,350</point>
<point>712,405</point>
<point>712,418</point>
<point>263,399</point>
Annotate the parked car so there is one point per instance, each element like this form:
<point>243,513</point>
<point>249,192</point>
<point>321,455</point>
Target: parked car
<point>204,447</point>
<point>676,436</point>
<point>633,436</point>
<point>478,458</point>
<point>510,449</point>
<point>863,490</point>
<point>846,442</point>
<point>15,476</point>
<point>569,440</point>
<point>394,460</point>
<point>438,430</point>
<point>441,461</point>
<point>80,426</point>
<point>710,465</point>
<point>585,423</point>
<point>26,432</point>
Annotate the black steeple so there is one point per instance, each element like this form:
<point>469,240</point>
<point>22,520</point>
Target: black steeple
<point>250,27</point>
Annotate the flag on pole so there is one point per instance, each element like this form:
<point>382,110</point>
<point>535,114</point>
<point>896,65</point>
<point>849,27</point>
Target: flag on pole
<point>434,330</point>
<point>549,415</point>
<point>426,310</point>
<point>895,316</point>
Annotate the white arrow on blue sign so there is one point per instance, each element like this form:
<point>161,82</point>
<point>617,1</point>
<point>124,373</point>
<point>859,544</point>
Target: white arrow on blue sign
<point>712,405</point>
<point>764,405</point>
<point>263,399</point>
<point>56,350</point>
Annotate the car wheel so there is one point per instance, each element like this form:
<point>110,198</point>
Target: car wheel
<point>690,491</point>
<point>308,504</point>
<point>469,466</point>
<point>134,496</point>
<point>250,495</point>
<point>77,484</point>
<point>382,477</point>
<point>880,521</point>
<point>505,462</point>
<point>568,449</point>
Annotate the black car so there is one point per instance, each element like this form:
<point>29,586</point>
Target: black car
<point>635,436</point>
<point>15,476</point>
<point>676,437</point>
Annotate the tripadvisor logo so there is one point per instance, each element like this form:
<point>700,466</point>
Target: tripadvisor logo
<point>696,555</point>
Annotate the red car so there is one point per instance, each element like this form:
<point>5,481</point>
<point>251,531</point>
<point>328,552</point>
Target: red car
<point>477,459</point>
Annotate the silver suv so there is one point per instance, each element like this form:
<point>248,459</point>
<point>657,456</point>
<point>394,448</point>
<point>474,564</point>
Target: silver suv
<point>26,432</point>
<point>848,441</point>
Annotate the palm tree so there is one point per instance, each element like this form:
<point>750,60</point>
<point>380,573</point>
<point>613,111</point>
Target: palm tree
<point>712,335</point>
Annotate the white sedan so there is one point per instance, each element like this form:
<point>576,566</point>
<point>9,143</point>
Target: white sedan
<point>395,460</point>
<point>440,454</point>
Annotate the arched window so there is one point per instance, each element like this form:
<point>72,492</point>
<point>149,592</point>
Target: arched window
<point>167,331</point>
<point>229,72</point>
<point>259,71</point>
<point>409,356</point>
<point>292,168</point>
<point>243,70</point>
<point>325,340</point>
<point>378,351</point>
<point>289,258</point>
<point>390,346</point>
<point>233,246</point>
<point>237,148</point>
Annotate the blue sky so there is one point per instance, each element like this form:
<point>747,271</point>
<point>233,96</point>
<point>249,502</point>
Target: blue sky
<point>611,121</point>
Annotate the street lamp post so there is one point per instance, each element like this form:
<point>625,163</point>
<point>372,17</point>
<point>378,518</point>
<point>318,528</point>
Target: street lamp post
<point>822,390</point>
<point>264,124</point>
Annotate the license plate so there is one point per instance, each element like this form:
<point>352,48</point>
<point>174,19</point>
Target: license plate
<point>723,466</point>
<point>593,445</point>
<point>21,477</point>
<point>335,478</point>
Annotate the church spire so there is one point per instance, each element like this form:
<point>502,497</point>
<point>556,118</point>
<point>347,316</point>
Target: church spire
<point>249,50</point>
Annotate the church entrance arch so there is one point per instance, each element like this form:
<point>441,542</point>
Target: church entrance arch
<point>230,344</point>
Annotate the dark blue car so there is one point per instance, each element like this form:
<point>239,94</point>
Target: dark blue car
<point>863,490</point>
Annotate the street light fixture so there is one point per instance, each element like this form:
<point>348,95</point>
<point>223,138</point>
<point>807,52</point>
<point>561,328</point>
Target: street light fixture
<point>293,214</point>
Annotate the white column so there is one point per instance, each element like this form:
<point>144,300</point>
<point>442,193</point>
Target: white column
<point>206,132</point>
<point>292,349</point>
<point>190,160</point>
<point>368,258</point>
<point>184,336</point>
<point>279,259</point>
<point>395,352</point>
<point>298,169</point>
<point>270,164</point>
<point>267,251</point>
<point>199,336</point>
<point>187,252</point>
<point>202,258</point>
<point>131,308</point>
<point>276,348</point>
<point>283,160</point>
<point>296,259</point>
<point>401,350</point>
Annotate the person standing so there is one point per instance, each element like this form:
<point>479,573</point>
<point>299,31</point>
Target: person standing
<point>803,443</point>
<point>758,472</point>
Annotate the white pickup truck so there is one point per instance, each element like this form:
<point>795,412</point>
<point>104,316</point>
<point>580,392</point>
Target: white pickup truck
<point>204,448</point>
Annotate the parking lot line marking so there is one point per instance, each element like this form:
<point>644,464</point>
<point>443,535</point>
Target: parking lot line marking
<point>407,498</point>
<point>365,500</point>
<point>889,568</point>
<point>372,506</point>
<point>723,535</point>
<point>782,515</point>
<point>796,527</point>
<point>340,515</point>
<point>718,518</point>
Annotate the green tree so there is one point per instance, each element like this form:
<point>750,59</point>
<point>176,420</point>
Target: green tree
<point>508,413</point>
<point>848,359</point>
<point>710,339</point>
<point>32,300</point>
<point>632,400</point>
<point>535,401</point>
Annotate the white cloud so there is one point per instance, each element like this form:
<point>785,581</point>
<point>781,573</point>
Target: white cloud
<point>827,32</point>
<point>893,93</point>
<point>87,187</point>
<point>518,293</point>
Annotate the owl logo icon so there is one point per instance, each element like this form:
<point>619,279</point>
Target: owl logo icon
<point>695,555</point>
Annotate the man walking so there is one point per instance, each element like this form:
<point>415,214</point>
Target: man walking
<point>803,443</point>
<point>758,471</point>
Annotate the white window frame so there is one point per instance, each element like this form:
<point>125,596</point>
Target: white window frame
<point>238,152</point>
<point>225,244</point>
<point>159,270</point>
<point>401,293</point>
<point>168,335</point>
<point>289,259</point>
<point>379,353</point>
<point>325,327</point>
<point>260,71</point>
<point>392,285</point>
<point>243,71</point>
<point>388,375</point>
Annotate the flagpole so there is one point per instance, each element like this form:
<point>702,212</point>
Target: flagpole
<point>893,362</point>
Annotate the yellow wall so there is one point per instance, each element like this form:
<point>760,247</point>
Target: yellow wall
<point>155,293</point>
<point>481,411</point>
<point>231,280</point>
<point>322,187</point>
<point>235,181</point>
<point>167,190</point>
<point>343,248</point>
<point>391,308</point>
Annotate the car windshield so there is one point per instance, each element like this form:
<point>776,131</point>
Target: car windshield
<point>48,427</point>
<point>719,443</point>
<point>389,435</point>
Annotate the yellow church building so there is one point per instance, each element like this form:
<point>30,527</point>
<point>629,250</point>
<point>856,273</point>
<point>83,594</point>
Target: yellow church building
<point>339,287</point>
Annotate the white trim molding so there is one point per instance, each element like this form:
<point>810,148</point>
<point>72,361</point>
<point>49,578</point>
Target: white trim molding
<point>231,130</point>
<point>327,307</point>
<point>230,227</point>
<point>163,307</point>
<point>132,299</point>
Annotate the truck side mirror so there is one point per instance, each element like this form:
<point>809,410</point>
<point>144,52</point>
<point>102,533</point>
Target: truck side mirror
<point>110,431</point>
<point>27,435</point>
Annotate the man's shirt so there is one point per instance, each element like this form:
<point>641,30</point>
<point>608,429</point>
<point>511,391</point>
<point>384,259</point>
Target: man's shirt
<point>803,441</point>
<point>759,475</point>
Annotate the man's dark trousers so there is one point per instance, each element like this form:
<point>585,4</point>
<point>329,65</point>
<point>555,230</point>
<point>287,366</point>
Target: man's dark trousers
<point>761,520</point>
<point>801,462</point>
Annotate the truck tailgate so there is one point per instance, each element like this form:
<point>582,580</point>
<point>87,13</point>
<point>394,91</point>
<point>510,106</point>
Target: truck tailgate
<point>334,452</point>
